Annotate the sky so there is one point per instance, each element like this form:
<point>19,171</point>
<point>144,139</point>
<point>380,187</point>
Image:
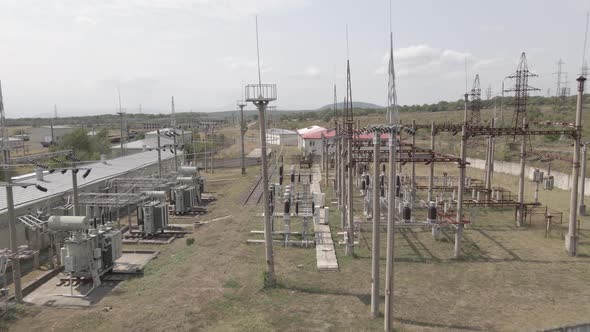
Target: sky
<point>76,54</point>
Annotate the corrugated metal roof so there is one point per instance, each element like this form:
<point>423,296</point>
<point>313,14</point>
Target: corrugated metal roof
<point>58,184</point>
<point>149,142</point>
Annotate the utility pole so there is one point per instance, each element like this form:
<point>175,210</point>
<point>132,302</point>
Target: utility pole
<point>431,175</point>
<point>461,186</point>
<point>74,171</point>
<point>571,239</point>
<point>582,206</point>
<point>121,114</point>
<point>376,257</point>
<point>521,208</point>
<point>16,273</point>
<point>175,159</point>
<point>241,105</point>
<point>159,154</point>
<point>391,215</point>
<point>261,95</point>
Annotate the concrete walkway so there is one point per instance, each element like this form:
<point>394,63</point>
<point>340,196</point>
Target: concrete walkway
<point>325,253</point>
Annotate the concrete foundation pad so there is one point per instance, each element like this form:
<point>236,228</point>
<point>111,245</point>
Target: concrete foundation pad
<point>133,261</point>
<point>51,295</point>
<point>54,292</point>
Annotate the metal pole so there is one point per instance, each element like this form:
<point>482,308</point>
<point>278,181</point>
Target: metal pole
<point>431,175</point>
<point>520,211</point>
<point>75,191</point>
<point>342,187</point>
<point>582,209</point>
<point>349,205</point>
<point>121,115</point>
<point>413,187</point>
<point>175,160</point>
<point>460,189</point>
<point>571,239</point>
<point>159,154</point>
<point>375,261</point>
<point>270,267</point>
<point>18,295</point>
<point>242,132</point>
<point>388,324</point>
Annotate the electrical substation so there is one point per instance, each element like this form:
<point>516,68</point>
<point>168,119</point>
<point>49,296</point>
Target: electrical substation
<point>417,217</point>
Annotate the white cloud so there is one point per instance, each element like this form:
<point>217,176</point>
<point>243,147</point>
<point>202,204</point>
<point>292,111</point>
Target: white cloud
<point>312,71</point>
<point>85,20</point>
<point>422,59</point>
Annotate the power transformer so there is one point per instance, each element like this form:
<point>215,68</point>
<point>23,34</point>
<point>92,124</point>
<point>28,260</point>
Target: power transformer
<point>154,217</point>
<point>87,252</point>
<point>184,198</point>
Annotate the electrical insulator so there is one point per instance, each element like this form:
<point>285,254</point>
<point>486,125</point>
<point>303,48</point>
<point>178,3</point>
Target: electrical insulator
<point>432,212</point>
<point>407,213</point>
<point>363,185</point>
<point>382,179</point>
<point>292,177</point>
<point>281,170</point>
<point>309,177</point>
<point>313,207</point>
<point>299,178</point>
<point>281,179</point>
<point>397,186</point>
<point>297,207</point>
<point>287,206</point>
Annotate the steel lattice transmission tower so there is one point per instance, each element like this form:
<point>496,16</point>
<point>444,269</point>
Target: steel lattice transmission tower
<point>521,90</point>
<point>475,101</point>
<point>392,111</point>
<point>172,114</point>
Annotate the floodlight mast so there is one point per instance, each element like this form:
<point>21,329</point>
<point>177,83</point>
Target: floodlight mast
<point>261,95</point>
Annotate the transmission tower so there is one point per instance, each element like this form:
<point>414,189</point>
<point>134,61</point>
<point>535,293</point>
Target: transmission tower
<point>559,72</point>
<point>392,112</point>
<point>521,90</point>
<point>173,115</point>
<point>475,101</point>
<point>335,108</point>
<point>489,92</point>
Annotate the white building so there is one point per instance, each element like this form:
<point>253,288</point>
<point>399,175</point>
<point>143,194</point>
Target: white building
<point>43,134</point>
<point>278,136</point>
<point>165,132</point>
<point>305,131</point>
<point>143,145</point>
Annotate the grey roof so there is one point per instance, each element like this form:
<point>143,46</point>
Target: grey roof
<point>281,131</point>
<point>149,142</point>
<point>58,184</point>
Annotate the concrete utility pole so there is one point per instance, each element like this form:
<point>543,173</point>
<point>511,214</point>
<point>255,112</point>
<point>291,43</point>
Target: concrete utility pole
<point>571,239</point>
<point>241,105</point>
<point>16,273</point>
<point>431,174</point>
<point>391,215</point>
<point>460,189</point>
<point>349,205</point>
<point>582,206</point>
<point>270,266</point>
<point>375,261</point>
<point>75,190</point>
<point>520,211</point>
<point>490,164</point>
<point>159,154</point>
<point>413,188</point>
<point>174,141</point>
<point>461,185</point>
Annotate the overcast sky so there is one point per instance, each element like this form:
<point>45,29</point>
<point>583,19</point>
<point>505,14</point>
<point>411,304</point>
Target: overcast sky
<point>75,53</point>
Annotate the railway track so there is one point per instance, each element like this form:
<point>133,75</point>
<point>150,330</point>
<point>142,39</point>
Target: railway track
<point>255,195</point>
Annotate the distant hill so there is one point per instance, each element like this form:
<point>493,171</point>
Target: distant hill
<point>355,104</point>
